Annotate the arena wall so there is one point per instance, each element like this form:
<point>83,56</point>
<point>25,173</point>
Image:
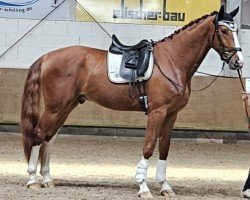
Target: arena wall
<point>217,108</point>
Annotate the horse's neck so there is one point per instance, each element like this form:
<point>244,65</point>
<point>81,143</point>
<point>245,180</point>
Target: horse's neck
<point>186,51</point>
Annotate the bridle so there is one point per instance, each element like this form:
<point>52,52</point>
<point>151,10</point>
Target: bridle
<point>227,52</point>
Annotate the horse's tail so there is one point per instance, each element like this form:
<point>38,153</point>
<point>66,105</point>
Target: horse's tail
<point>30,106</point>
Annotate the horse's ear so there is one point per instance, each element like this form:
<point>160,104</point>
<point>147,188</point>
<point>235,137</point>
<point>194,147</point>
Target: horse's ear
<point>221,13</point>
<point>233,13</point>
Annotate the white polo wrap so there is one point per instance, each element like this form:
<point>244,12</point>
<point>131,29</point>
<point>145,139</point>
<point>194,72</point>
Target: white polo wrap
<point>166,187</point>
<point>161,171</point>
<point>143,188</point>
<point>32,167</point>
<point>141,172</point>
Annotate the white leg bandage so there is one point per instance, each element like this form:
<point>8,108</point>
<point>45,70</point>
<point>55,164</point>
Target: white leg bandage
<point>141,172</point>
<point>45,161</point>
<point>32,168</point>
<point>143,188</point>
<point>161,177</point>
<point>246,193</point>
<point>161,170</point>
<point>165,186</point>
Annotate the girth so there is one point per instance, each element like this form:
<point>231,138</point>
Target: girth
<point>134,64</point>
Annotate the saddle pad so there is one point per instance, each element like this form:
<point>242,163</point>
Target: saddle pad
<point>114,63</point>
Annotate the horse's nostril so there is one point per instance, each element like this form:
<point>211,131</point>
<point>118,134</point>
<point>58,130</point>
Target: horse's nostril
<point>237,62</point>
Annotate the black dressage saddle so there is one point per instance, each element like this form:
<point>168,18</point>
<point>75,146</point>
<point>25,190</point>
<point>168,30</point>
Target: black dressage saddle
<point>135,59</point>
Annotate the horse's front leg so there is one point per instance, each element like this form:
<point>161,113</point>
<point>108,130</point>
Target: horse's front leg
<point>155,121</point>
<point>164,144</point>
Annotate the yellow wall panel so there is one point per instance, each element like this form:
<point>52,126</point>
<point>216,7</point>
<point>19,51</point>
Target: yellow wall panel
<point>157,12</point>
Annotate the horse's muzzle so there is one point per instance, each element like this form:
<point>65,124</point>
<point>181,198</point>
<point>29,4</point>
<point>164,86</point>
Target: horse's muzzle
<point>235,64</point>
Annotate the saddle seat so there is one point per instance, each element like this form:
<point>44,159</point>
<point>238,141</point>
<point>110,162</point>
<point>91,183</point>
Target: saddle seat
<point>135,59</point>
<point>117,47</point>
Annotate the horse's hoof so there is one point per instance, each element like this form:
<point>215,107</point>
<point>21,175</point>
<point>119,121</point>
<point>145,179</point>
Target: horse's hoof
<point>146,195</point>
<point>246,193</point>
<point>34,186</point>
<point>168,193</point>
<point>48,185</point>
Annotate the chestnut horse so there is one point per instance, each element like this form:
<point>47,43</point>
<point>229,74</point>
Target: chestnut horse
<point>72,75</point>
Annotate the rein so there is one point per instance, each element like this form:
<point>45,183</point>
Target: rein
<point>226,56</point>
<point>245,100</point>
<point>226,52</point>
<point>215,78</point>
<point>177,86</point>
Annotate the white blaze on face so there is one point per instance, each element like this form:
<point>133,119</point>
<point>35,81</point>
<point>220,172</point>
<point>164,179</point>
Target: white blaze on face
<point>233,27</point>
<point>237,45</point>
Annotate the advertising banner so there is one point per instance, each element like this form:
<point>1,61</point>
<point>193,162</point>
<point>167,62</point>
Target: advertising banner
<point>159,12</point>
<point>37,9</point>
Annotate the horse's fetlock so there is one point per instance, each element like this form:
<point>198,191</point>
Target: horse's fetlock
<point>44,172</point>
<point>32,171</point>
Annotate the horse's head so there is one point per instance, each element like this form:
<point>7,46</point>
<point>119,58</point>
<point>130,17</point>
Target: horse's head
<point>225,39</point>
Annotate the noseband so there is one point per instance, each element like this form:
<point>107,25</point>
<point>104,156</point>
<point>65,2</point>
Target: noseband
<point>227,53</point>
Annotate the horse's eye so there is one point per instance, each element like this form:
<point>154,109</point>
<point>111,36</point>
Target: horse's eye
<point>224,32</point>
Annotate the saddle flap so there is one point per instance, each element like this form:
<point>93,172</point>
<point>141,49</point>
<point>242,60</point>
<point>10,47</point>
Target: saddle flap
<point>135,59</point>
<point>143,60</point>
<point>114,65</point>
<point>130,59</point>
<point>135,63</point>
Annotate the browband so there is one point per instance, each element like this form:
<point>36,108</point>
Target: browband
<point>230,25</point>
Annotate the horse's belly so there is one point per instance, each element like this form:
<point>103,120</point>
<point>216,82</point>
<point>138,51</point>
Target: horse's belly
<point>117,105</point>
<point>115,98</point>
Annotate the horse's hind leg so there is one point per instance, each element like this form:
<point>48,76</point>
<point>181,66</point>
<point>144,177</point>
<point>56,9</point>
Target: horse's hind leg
<point>50,122</point>
<point>32,168</point>
<point>46,147</point>
<point>164,144</point>
<point>45,159</point>
<point>36,152</point>
<point>39,138</point>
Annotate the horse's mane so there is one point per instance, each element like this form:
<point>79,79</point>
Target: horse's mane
<point>189,24</point>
